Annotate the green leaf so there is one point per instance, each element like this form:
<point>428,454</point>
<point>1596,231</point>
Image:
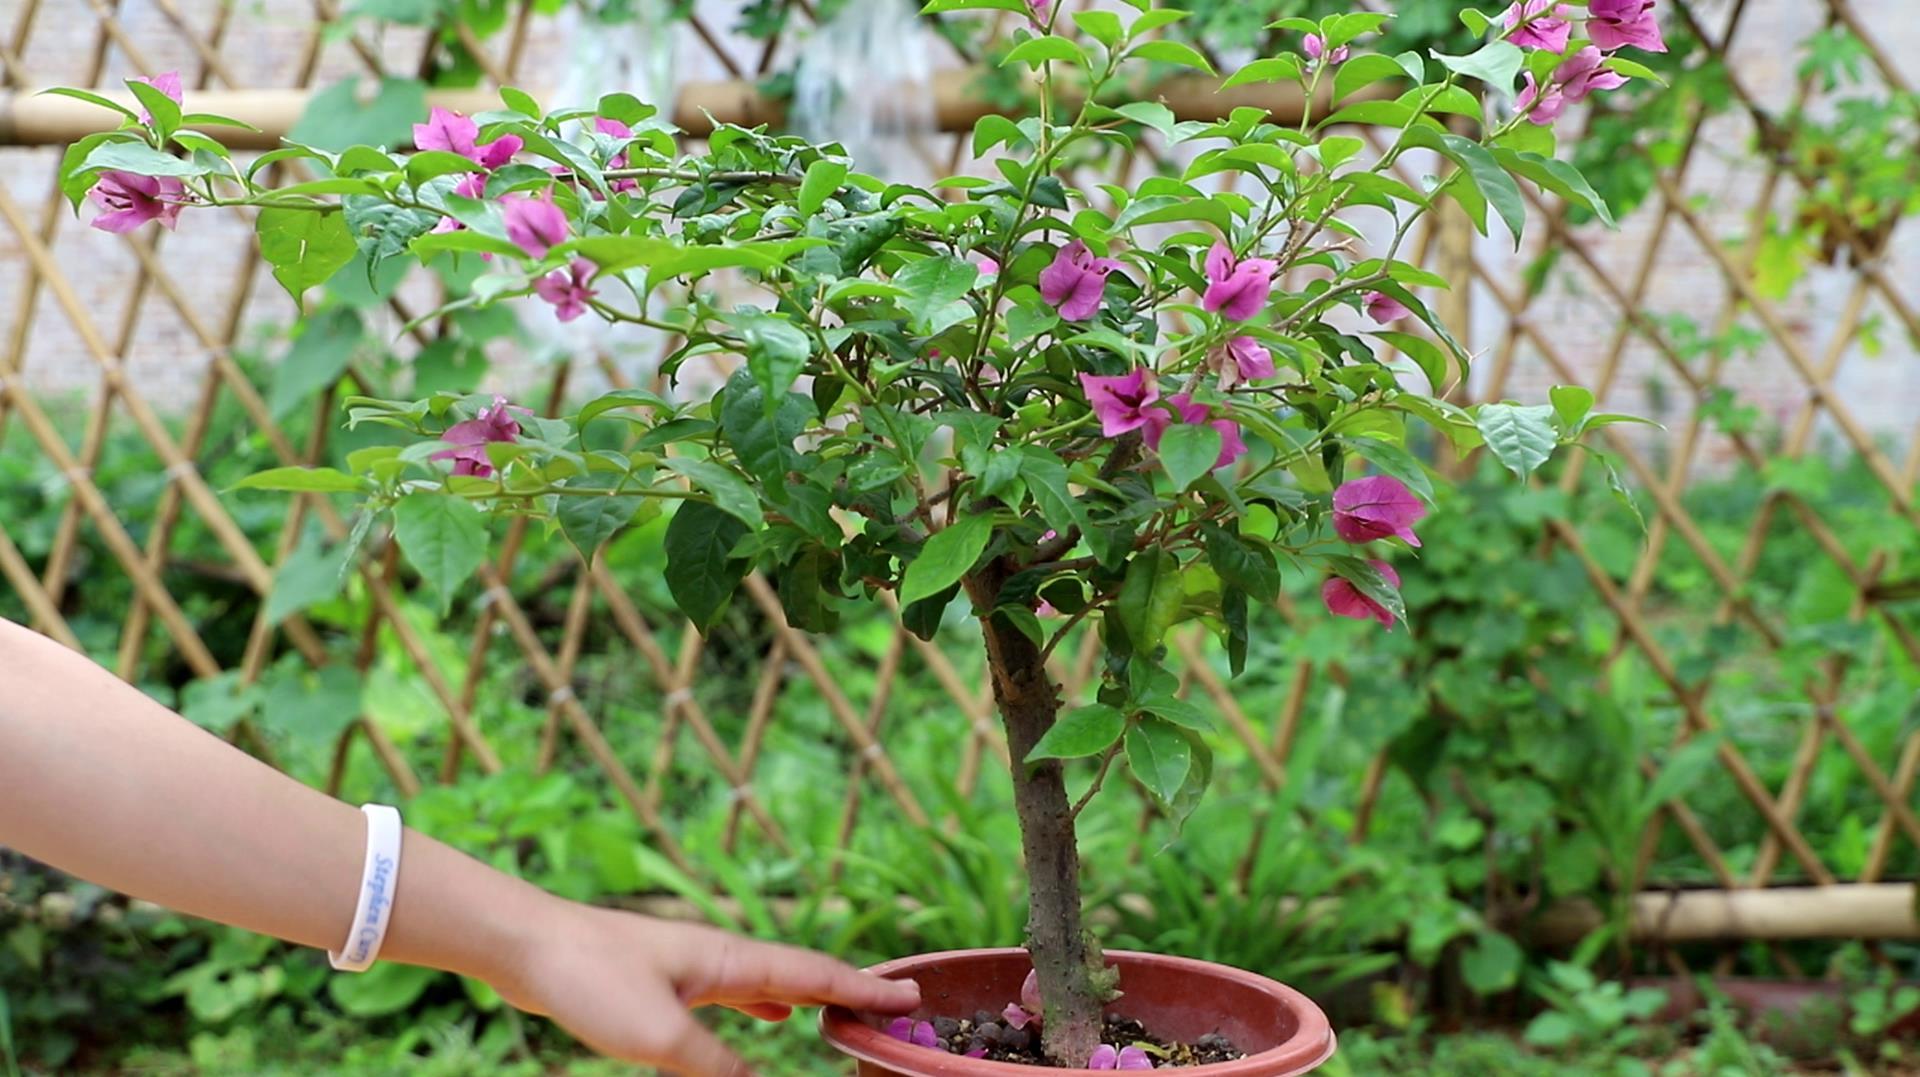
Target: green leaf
<point>946,557</point>
<point>762,442</point>
<point>777,352</point>
<point>218,702</point>
<point>1520,437</point>
<point>932,283</point>
<point>311,707</point>
<point>589,521</point>
<point>936,7</point>
<point>1364,70</point>
<point>91,98</point>
<point>1492,964</point>
<point>387,987</point>
<point>623,398</point>
<point>1497,63</point>
<point>731,494</point>
<point>1557,176</point>
<point>303,247</point>
<point>1188,452</point>
<point>310,574</point>
<point>823,178</point>
<point>1178,711</point>
<point>1633,70</point>
<point>164,110</point>
<point>1617,485</point>
<point>324,480</point>
<point>1039,49</point>
<point>700,573</point>
<point>1199,776</point>
<point>1425,354</point>
<point>1171,52</point>
<point>340,116</point>
<point>1273,69</point>
<point>1102,26</point>
<point>1149,599</point>
<point>425,165</point>
<point>1046,479</point>
<point>1080,733</point>
<point>1571,403</point>
<point>141,159</point>
<point>1370,583</point>
<point>1393,460</point>
<point>1250,568</point>
<point>1152,113</point>
<point>1160,756</point>
<point>444,538</point>
<point>522,102</point>
<point>317,359</point>
<point>1488,177</point>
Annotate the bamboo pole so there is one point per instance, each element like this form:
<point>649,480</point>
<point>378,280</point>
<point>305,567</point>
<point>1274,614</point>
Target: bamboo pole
<point>1844,911</point>
<point>33,119</point>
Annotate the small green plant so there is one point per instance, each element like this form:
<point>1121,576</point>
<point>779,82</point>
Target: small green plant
<point>1588,1014</point>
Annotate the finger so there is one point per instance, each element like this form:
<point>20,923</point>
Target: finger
<point>775,1012</point>
<point>691,1050</point>
<point>804,978</point>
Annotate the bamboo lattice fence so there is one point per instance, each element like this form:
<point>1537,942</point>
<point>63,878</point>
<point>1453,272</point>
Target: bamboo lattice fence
<point>46,288</point>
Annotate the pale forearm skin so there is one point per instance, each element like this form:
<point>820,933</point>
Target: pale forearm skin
<point>100,781</point>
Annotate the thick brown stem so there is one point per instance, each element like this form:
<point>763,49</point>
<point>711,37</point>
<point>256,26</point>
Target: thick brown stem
<point>1074,983</point>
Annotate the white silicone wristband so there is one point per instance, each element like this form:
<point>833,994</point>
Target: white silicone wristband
<point>378,881</point>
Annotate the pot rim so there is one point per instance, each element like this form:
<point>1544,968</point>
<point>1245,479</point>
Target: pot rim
<point>1312,1043</point>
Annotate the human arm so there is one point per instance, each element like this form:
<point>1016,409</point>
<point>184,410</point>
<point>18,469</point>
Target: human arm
<point>100,781</point>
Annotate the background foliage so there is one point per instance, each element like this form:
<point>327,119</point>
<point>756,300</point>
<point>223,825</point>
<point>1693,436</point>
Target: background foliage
<point>1513,778</point>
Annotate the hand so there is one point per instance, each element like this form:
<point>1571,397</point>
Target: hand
<point>624,984</point>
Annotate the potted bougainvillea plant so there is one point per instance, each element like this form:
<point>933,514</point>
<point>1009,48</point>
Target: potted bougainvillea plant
<point>1111,410</point>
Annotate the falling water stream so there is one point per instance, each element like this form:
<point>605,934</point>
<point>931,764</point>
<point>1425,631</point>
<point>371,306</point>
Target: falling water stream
<point>865,80</point>
<point>625,46</point>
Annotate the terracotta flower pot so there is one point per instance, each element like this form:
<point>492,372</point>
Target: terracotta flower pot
<point>1281,1030</point>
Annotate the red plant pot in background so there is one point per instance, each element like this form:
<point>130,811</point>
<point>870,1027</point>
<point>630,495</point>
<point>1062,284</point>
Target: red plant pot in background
<point>1280,1029</point>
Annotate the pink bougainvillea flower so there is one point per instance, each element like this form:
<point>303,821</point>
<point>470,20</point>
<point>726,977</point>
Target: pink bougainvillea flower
<point>1538,106</point>
<point>449,131</point>
<point>616,129</point>
<point>1615,24</point>
<point>1545,24</point>
<point>1016,1015</point>
<point>534,224</point>
<point>472,185</point>
<point>1106,1057</point>
<point>1121,403</point>
<point>1384,308</point>
<point>1038,12</point>
<point>1030,987</point>
<point>167,82</point>
<point>986,265</point>
<point>1075,281</point>
<point>1573,79</point>
<point>1250,359</point>
<point>1191,411</point>
<point>567,289</point>
<point>1316,47</point>
<point>129,200</point>
<point>1343,599</point>
<point>1582,74</point>
<point>1237,288</point>
<point>918,1033</point>
<point>1376,507</point>
<point>471,438</point>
